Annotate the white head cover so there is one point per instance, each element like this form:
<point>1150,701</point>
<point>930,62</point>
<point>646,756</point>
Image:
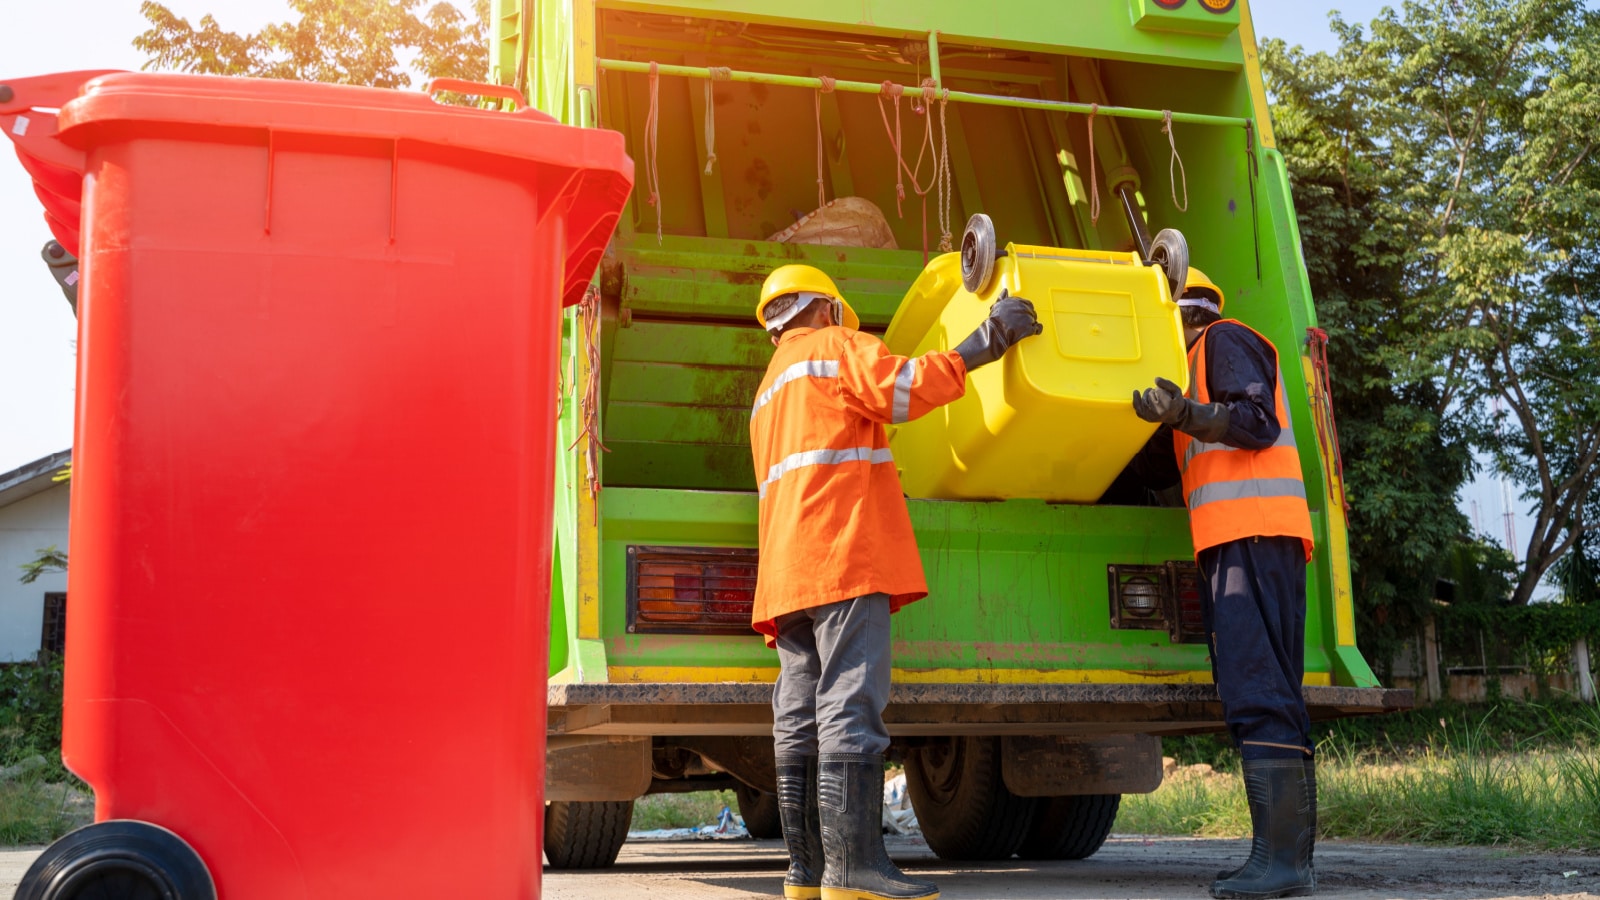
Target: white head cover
<point>782,309</point>
<point>1205,303</point>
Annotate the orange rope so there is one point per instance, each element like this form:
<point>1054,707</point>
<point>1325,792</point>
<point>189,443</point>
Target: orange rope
<point>827,88</point>
<point>589,400</point>
<point>652,122</point>
<point>1328,433</point>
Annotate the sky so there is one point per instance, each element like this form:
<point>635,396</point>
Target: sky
<point>37,329</point>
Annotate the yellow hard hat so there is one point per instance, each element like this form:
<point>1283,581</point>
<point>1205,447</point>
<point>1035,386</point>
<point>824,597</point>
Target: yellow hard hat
<point>1205,292</point>
<point>801,280</point>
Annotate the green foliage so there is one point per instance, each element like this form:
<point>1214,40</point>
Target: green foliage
<point>680,810</point>
<point>1444,169</point>
<point>30,714</point>
<point>49,559</point>
<point>363,42</point>
<point>1522,775</point>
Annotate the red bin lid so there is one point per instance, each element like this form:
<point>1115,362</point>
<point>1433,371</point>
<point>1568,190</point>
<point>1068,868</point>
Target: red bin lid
<point>591,165</point>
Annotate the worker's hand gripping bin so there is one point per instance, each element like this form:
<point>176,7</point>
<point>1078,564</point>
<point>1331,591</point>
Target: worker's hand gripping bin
<point>312,484</point>
<point>1051,421</point>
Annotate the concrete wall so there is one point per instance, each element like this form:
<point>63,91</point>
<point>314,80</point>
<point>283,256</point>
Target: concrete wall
<point>27,526</point>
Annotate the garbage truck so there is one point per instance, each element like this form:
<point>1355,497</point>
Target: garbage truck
<point>1096,149</point>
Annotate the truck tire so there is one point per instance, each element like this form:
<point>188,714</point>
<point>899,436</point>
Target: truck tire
<point>759,810</point>
<point>585,835</point>
<point>1070,827</point>
<point>962,804</point>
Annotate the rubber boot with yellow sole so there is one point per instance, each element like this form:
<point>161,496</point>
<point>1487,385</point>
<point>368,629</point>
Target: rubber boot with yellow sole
<point>802,830</point>
<point>856,865</point>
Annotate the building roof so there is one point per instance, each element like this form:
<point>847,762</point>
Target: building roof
<point>33,478</point>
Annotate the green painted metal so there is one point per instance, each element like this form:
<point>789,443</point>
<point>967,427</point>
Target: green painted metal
<point>858,87</point>
<point>1018,585</point>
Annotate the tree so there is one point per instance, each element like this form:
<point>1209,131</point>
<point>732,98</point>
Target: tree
<point>360,42</point>
<point>1463,137</point>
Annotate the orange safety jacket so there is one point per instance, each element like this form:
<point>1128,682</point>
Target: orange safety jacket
<point>833,518</point>
<point>1233,493</point>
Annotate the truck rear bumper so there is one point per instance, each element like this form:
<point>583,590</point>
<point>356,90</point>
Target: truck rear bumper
<point>915,710</point>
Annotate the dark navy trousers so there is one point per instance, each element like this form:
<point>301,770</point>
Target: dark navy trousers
<point>1255,610</point>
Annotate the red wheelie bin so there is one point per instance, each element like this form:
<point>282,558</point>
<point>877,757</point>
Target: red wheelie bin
<point>306,649</point>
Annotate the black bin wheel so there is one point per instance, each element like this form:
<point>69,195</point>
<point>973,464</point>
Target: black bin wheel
<point>1170,251</point>
<point>585,834</point>
<point>1070,827</point>
<point>121,858</point>
<point>978,253</point>
<point>963,806</point>
<point>759,810</point>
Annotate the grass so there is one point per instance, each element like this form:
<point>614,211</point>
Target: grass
<point>1465,786</point>
<point>37,811</point>
<point>680,810</point>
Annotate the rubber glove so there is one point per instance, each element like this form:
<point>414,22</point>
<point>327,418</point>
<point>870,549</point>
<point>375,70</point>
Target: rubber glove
<point>1165,404</point>
<point>1010,320</point>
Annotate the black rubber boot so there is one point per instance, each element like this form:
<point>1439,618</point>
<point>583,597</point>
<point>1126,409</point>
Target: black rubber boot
<point>1282,813</point>
<point>1311,791</point>
<point>802,829</point>
<point>850,799</point>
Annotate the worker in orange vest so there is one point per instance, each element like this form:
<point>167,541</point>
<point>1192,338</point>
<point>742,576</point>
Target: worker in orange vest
<point>1240,470</point>
<point>837,558</point>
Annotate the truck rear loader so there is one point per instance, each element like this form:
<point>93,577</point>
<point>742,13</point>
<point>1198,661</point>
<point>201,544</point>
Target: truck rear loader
<point>1062,636</point>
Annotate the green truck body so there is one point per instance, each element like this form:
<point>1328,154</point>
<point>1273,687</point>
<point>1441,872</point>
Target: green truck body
<point>1020,647</point>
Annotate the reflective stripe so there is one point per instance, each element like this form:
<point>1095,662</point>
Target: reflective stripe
<point>1244,489</point>
<point>1285,439</point>
<point>808,368</point>
<point>824,458</point>
<point>902,392</point>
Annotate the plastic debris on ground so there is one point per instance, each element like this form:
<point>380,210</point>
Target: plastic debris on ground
<point>898,817</point>
<point>727,827</point>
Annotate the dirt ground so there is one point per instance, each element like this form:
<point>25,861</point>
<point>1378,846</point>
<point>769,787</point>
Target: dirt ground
<point>1127,867</point>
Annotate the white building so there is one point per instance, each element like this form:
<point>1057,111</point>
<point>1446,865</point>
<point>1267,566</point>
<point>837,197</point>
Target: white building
<point>33,516</point>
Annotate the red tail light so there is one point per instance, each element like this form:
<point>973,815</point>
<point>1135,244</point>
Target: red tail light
<point>1189,622</point>
<point>691,590</point>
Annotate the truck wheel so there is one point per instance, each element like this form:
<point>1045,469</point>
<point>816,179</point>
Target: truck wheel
<point>1170,251</point>
<point>759,810</point>
<point>583,834</point>
<point>961,802</point>
<point>1070,827</point>
<point>120,858</point>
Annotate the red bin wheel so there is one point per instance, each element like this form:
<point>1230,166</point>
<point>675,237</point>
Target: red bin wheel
<point>120,858</point>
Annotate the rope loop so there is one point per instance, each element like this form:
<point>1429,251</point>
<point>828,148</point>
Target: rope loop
<point>1175,164</point>
<point>891,90</point>
<point>930,91</point>
<point>711,125</point>
<point>828,83</point>
<point>721,73</point>
<point>1094,183</point>
<point>822,193</point>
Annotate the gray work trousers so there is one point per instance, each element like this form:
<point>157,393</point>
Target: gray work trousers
<point>833,680</point>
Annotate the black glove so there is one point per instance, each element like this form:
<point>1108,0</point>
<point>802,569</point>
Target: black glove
<point>1165,404</point>
<point>1010,320</point>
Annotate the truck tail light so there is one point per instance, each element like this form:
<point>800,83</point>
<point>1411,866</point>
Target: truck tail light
<point>1188,620</point>
<point>1139,597</point>
<point>691,590</point>
<point>1159,598</point>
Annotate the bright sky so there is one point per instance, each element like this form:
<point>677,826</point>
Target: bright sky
<point>36,327</point>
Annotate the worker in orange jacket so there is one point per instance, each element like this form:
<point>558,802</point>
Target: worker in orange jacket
<point>1240,469</point>
<point>837,558</point>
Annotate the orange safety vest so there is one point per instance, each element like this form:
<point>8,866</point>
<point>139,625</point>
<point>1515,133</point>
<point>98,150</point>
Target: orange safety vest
<point>1233,493</point>
<point>833,518</point>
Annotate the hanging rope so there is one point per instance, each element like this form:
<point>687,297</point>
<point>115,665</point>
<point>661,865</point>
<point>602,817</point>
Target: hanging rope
<point>827,88</point>
<point>945,188</point>
<point>1094,183</point>
<point>1176,161</point>
<point>711,128</point>
<point>1252,173</point>
<point>940,157</point>
<point>1328,426</point>
<point>589,400</point>
<point>651,144</point>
